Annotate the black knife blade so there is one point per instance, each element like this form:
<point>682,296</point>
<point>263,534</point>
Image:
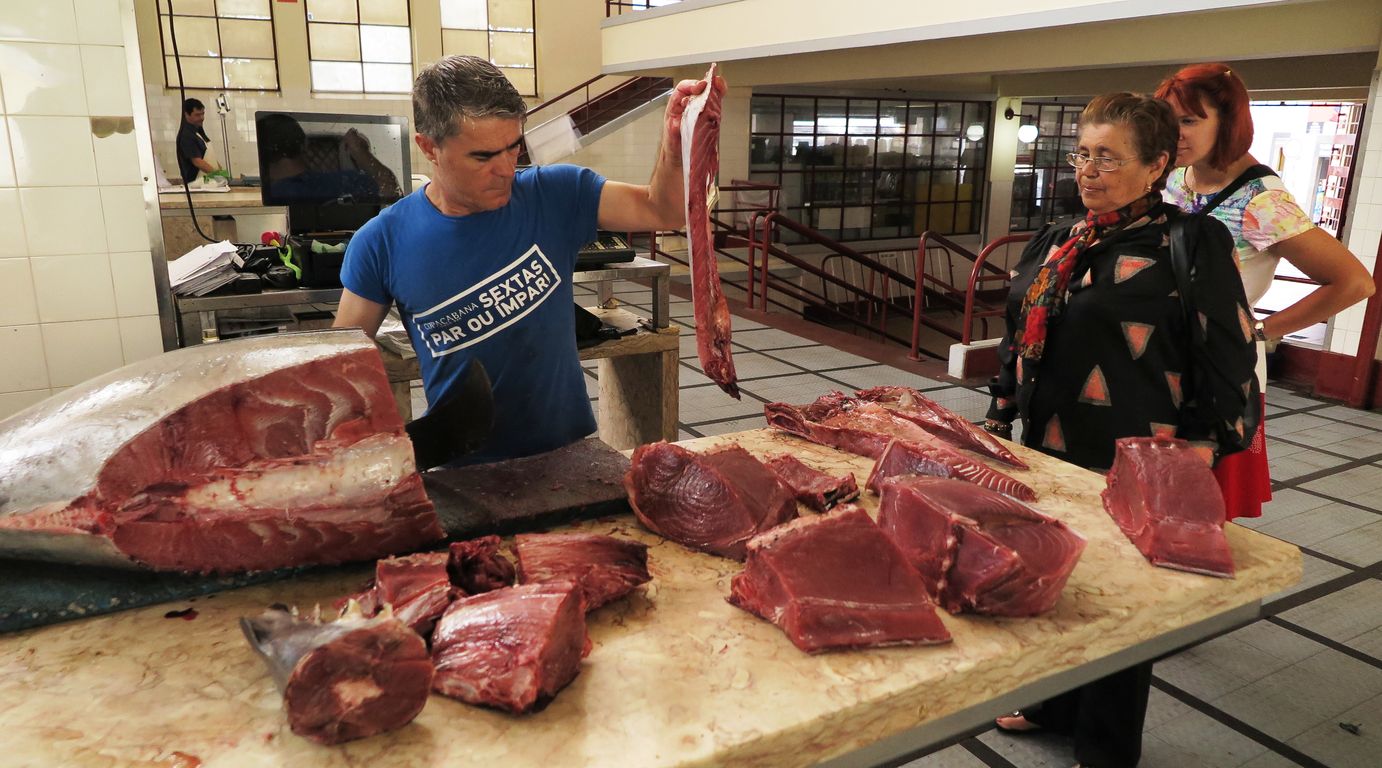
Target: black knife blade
<point>456,426</point>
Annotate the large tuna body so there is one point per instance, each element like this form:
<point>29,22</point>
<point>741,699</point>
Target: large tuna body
<point>261,453</point>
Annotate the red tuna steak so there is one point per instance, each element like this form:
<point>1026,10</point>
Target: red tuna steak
<point>604,567</point>
<point>714,502</point>
<point>979,551</point>
<point>835,581</point>
<point>512,648</point>
<point>1167,502</point>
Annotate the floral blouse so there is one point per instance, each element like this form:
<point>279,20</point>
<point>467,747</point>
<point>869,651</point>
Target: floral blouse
<point>1258,215</point>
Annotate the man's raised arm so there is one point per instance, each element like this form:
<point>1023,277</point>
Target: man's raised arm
<point>661,204</point>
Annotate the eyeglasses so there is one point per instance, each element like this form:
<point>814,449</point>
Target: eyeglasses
<point>1103,164</point>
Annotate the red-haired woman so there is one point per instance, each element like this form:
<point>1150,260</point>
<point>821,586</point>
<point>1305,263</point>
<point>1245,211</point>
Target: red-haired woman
<point>1218,176</point>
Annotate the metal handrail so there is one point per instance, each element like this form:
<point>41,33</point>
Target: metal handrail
<point>976,275</point>
<point>761,242</point>
<point>949,290</point>
<point>632,5</point>
<point>586,86</point>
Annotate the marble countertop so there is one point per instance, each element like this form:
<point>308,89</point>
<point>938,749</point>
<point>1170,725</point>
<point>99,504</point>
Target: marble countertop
<point>677,676</point>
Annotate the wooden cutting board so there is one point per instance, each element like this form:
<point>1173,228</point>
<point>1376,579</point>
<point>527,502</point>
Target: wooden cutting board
<point>584,480</point>
<point>578,482</point>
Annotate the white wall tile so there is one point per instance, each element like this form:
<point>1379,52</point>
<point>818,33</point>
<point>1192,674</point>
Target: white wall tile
<point>107,80</point>
<point>140,338</point>
<point>14,402</point>
<point>1350,319</point>
<point>12,242</point>
<point>52,151</point>
<point>17,305</point>
<point>42,79</point>
<point>133,276</point>
<point>60,220</point>
<point>127,229</point>
<point>117,159</point>
<point>21,347</point>
<point>46,21</point>
<point>1344,342</point>
<point>81,350</point>
<point>73,287</point>
<point>6,164</point>
<point>99,22</point>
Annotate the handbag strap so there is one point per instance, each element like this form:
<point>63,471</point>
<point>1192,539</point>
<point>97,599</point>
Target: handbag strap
<point>1183,267</point>
<point>1254,172</point>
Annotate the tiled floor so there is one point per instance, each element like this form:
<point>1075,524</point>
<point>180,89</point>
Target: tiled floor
<point>1302,686</point>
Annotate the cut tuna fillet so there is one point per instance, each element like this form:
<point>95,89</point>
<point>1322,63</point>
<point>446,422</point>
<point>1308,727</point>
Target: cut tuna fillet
<point>979,551</point>
<point>714,502</point>
<point>605,568</point>
<point>835,420</point>
<point>940,421</point>
<point>345,679</point>
<point>253,454</point>
<point>511,648</point>
<point>417,586</point>
<point>700,157</point>
<point>477,566</point>
<point>835,581</point>
<point>1166,500</point>
<point>812,487</point>
<point>902,457</point>
<point>866,428</point>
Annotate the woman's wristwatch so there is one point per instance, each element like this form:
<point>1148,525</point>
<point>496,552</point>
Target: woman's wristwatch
<point>1259,331</point>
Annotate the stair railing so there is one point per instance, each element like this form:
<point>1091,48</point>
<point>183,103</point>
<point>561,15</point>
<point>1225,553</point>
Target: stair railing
<point>978,274</point>
<point>868,296</point>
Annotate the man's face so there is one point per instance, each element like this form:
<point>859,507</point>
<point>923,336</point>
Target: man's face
<point>196,116</point>
<point>475,167</point>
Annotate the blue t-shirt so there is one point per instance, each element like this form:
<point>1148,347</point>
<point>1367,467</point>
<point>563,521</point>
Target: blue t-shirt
<point>496,286</point>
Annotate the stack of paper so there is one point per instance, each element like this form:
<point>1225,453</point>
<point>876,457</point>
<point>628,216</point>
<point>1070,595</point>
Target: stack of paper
<point>203,269</point>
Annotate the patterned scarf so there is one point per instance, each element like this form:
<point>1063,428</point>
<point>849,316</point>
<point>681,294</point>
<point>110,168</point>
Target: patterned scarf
<point>1045,297</point>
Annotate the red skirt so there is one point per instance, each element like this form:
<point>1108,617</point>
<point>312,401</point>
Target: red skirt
<point>1244,478</point>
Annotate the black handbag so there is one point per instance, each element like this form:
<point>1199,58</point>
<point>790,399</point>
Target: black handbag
<point>1194,394</point>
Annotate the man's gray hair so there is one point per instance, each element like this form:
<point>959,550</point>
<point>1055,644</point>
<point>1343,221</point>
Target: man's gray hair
<point>462,87</point>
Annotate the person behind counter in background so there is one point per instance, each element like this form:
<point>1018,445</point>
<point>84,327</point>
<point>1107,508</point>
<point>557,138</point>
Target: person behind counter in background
<point>191,144</point>
<point>1212,107</point>
<point>1095,347</point>
<point>480,260</point>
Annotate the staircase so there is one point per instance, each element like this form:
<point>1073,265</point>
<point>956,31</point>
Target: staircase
<point>596,110</point>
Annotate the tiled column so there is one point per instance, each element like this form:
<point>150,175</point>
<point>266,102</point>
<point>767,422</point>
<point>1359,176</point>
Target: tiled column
<point>1364,216</point>
<point>77,294</point>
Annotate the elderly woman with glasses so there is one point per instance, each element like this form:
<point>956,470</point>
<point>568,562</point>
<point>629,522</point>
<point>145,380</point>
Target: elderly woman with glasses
<point>1098,347</point>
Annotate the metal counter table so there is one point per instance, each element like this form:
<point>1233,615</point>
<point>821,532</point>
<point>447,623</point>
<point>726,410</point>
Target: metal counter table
<point>637,373</point>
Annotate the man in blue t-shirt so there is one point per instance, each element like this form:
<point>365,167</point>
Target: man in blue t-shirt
<point>479,261</point>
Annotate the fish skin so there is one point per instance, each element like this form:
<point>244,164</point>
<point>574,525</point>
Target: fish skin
<point>869,429</point>
<point>940,460</point>
<point>940,421</point>
<point>63,499</point>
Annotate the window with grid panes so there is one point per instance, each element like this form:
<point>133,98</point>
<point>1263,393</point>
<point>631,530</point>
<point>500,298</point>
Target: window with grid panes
<point>360,46</point>
<point>501,31</point>
<point>864,169</point>
<point>1044,186</point>
<point>222,44</point>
